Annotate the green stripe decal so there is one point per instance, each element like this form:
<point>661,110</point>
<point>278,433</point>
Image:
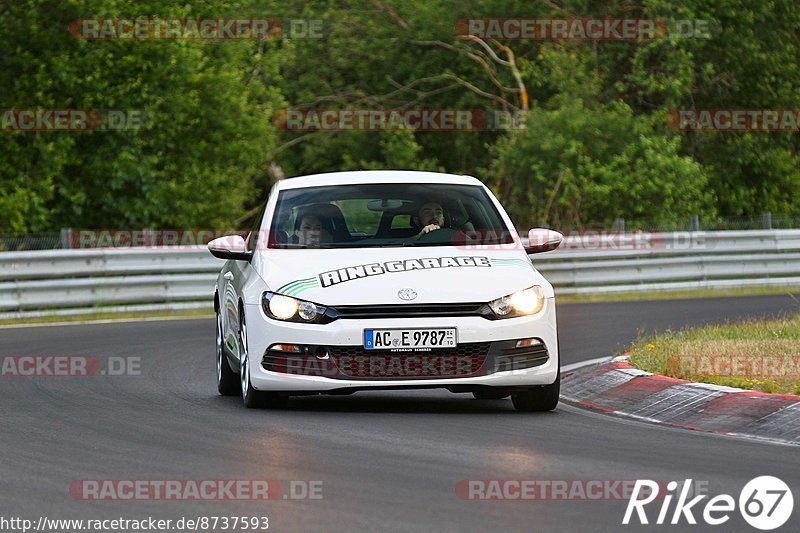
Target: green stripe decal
<point>295,287</point>
<point>301,284</point>
<point>293,283</point>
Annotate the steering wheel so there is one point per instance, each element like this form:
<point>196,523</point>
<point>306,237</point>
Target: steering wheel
<point>438,235</point>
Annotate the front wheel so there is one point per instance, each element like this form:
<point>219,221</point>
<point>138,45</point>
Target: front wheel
<point>227,380</point>
<point>252,398</point>
<point>541,398</point>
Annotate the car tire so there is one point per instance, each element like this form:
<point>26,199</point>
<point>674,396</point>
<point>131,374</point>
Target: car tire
<point>252,398</point>
<point>227,380</point>
<point>541,398</point>
<point>490,395</point>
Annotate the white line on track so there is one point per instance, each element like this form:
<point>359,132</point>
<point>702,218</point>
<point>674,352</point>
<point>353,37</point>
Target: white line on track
<point>581,364</point>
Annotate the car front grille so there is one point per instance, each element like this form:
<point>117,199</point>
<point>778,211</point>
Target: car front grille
<point>354,362</point>
<point>411,310</point>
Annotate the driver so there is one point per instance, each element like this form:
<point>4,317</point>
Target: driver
<point>430,217</point>
<point>308,231</point>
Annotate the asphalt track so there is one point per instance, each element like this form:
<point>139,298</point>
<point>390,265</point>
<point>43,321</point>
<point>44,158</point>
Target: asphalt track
<point>388,461</point>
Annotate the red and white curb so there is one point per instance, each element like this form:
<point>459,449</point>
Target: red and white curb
<point>616,387</point>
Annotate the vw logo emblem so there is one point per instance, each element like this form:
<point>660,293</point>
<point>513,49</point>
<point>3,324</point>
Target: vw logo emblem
<point>406,294</point>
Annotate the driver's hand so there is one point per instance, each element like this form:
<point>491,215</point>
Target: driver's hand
<point>427,229</point>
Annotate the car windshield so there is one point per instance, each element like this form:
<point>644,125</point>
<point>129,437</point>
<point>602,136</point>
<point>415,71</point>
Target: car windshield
<point>389,214</point>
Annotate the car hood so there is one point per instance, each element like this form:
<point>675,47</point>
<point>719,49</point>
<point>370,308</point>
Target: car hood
<point>376,276</point>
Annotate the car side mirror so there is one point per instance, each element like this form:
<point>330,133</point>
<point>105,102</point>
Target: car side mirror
<point>542,240</point>
<point>230,247</point>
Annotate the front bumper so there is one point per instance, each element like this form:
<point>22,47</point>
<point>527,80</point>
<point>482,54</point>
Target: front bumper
<point>344,336</point>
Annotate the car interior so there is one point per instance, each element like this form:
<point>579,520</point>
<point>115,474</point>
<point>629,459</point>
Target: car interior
<point>387,218</point>
<point>396,223</point>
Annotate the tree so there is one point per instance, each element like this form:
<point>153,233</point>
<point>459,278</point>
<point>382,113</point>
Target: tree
<point>575,165</point>
<point>207,109</point>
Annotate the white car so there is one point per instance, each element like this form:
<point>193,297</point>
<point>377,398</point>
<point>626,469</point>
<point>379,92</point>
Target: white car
<point>370,280</point>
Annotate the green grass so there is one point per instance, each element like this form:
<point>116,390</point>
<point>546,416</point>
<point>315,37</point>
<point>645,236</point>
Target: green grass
<point>761,355</point>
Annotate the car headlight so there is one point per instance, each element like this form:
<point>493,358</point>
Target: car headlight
<point>521,303</point>
<point>288,309</point>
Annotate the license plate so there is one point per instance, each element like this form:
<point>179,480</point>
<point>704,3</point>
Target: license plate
<point>387,339</point>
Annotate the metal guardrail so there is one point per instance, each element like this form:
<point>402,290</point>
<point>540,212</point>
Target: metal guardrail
<point>673,261</point>
<point>64,282</point>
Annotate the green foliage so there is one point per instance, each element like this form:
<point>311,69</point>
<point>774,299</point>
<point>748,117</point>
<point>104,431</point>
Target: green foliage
<point>574,166</point>
<point>207,111</point>
<point>595,144</point>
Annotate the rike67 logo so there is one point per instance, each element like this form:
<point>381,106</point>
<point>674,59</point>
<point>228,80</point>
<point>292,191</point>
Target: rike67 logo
<point>765,503</point>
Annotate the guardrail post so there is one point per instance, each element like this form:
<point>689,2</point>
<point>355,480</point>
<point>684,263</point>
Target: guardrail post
<point>766,219</point>
<point>694,222</point>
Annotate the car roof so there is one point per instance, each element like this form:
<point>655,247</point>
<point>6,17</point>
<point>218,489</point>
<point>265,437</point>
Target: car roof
<point>375,176</point>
